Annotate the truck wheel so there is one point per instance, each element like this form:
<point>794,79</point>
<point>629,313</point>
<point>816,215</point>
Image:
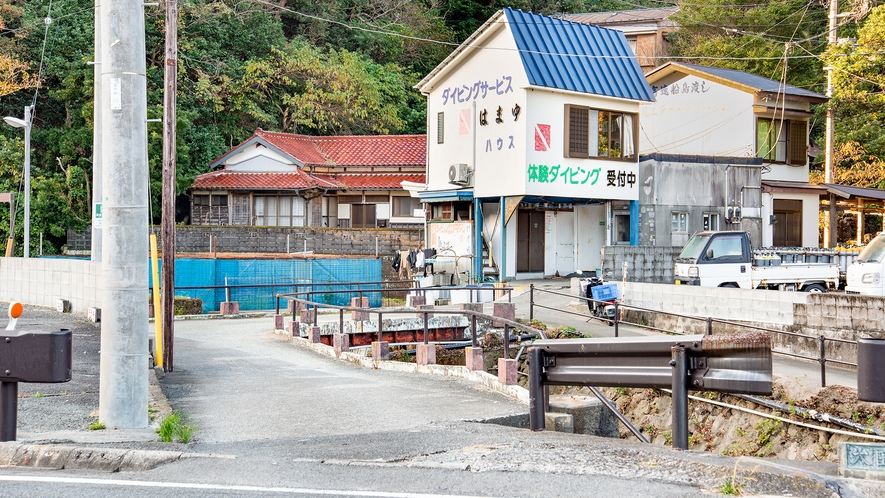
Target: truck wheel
<point>730,285</point>
<point>815,288</point>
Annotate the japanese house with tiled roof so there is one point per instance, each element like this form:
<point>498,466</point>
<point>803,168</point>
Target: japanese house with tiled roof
<point>726,150</point>
<point>533,141</point>
<point>282,179</point>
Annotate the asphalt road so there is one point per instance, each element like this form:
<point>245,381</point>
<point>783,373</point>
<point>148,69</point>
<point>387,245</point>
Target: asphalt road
<point>275,419</point>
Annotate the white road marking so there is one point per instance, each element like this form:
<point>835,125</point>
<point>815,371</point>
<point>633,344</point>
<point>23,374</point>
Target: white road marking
<point>220,487</point>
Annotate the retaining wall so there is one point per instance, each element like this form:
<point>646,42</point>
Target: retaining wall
<point>832,315</point>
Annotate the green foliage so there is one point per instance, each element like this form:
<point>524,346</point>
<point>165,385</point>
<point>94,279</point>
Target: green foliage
<point>750,36</point>
<point>173,429</point>
<point>859,104</point>
<point>731,488</point>
<point>96,426</point>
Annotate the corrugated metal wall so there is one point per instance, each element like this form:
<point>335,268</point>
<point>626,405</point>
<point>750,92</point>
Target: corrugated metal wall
<point>209,272</point>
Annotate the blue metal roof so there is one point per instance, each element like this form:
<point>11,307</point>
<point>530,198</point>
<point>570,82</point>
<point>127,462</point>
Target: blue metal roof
<point>446,195</point>
<point>578,57</point>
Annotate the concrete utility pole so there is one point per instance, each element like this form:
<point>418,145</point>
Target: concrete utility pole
<point>95,253</point>
<point>123,385</point>
<point>830,235</point>
<point>168,220</point>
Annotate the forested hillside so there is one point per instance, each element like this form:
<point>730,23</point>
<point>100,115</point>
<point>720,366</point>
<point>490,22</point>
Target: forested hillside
<point>324,68</point>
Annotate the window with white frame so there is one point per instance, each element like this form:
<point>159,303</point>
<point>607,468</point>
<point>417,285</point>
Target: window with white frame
<point>279,210</point>
<point>711,221</point>
<point>600,134</point>
<point>679,221</point>
<point>404,206</point>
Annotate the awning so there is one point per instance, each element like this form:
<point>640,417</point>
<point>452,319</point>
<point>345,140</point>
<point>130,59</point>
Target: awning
<point>446,195</point>
<point>786,187</point>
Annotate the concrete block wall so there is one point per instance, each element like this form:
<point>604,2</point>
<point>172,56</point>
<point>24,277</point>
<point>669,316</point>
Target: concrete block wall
<point>650,264</point>
<point>43,281</point>
<point>832,315</point>
<point>743,305</point>
<point>243,239</point>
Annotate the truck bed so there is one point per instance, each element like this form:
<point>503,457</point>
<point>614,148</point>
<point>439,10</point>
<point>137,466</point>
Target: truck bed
<point>787,273</point>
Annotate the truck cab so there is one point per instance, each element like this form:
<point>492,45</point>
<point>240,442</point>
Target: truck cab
<point>716,259</point>
<point>864,276</point>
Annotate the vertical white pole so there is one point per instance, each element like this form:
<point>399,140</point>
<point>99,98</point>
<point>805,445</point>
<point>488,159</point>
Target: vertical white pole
<point>123,386</point>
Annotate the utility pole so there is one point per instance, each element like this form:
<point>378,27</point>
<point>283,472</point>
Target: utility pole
<point>830,235</point>
<point>168,220</point>
<point>123,385</point>
<point>95,253</point>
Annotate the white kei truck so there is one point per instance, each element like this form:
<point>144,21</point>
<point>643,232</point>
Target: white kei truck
<point>726,259</point>
<point>864,276</point>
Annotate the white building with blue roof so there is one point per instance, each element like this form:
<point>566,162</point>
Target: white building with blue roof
<point>536,118</point>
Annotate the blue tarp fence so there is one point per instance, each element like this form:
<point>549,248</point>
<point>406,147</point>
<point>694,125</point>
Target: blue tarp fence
<point>191,272</point>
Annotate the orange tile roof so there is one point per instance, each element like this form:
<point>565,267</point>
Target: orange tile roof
<point>377,181</point>
<point>236,180</point>
<point>350,150</point>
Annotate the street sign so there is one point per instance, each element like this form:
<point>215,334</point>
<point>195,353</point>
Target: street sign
<point>96,216</point>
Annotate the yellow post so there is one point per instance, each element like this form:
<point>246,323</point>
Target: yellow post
<point>158,323</point>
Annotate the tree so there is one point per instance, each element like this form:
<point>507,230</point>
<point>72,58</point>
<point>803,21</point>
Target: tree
<point>859,104</point>
<point>751,36</point>
<point>14,74</point>
<point>303,90</point>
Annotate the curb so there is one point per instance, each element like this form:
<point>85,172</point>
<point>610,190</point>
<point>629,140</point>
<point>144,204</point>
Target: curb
<point>56,457</point>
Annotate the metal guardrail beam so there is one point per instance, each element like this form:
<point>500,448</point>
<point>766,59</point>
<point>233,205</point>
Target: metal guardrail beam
<point>724,363</point>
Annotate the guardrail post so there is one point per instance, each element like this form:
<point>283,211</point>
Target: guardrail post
<point>473,331</point>
<point>680,397</point>
<point>615,318</point>
<point>8,410</point>
<point>823,361</point>
<point>425,353</point>
<point>536,392</point>
<point>709,325</point>
<point>531,302</point>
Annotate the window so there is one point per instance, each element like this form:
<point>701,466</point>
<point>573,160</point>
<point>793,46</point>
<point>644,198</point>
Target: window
<point>679,222</point>
<point>362,216</point>
<point>596,133</point>
<point>219,200</point>
<point>442,211</point>
<point>330,211</point>
<point>711,221</point>
<point>440,129</point>
<point>201,200</point>
<point>782,141</point>
<point>404,206</point>
<point>726,247</point>
<point>279,211</point>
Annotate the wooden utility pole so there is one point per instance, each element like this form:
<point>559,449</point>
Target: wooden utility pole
<point>830,234</point>
<point>170,75</point>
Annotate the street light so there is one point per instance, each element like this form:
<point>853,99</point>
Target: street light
<point>26,124</point>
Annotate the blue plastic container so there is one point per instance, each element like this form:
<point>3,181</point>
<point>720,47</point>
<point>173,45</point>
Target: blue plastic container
<point>606,292</point>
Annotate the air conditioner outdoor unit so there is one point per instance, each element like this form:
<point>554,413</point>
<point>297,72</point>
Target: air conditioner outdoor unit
<point>459,174</point>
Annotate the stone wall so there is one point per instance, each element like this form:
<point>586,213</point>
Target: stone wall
<point>342,241</point>
<point>649,264</point>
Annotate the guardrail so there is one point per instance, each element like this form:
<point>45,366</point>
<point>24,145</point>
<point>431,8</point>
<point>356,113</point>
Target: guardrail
<point>616,320</point>
<point>725,363</point>
<point>474,315</point>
